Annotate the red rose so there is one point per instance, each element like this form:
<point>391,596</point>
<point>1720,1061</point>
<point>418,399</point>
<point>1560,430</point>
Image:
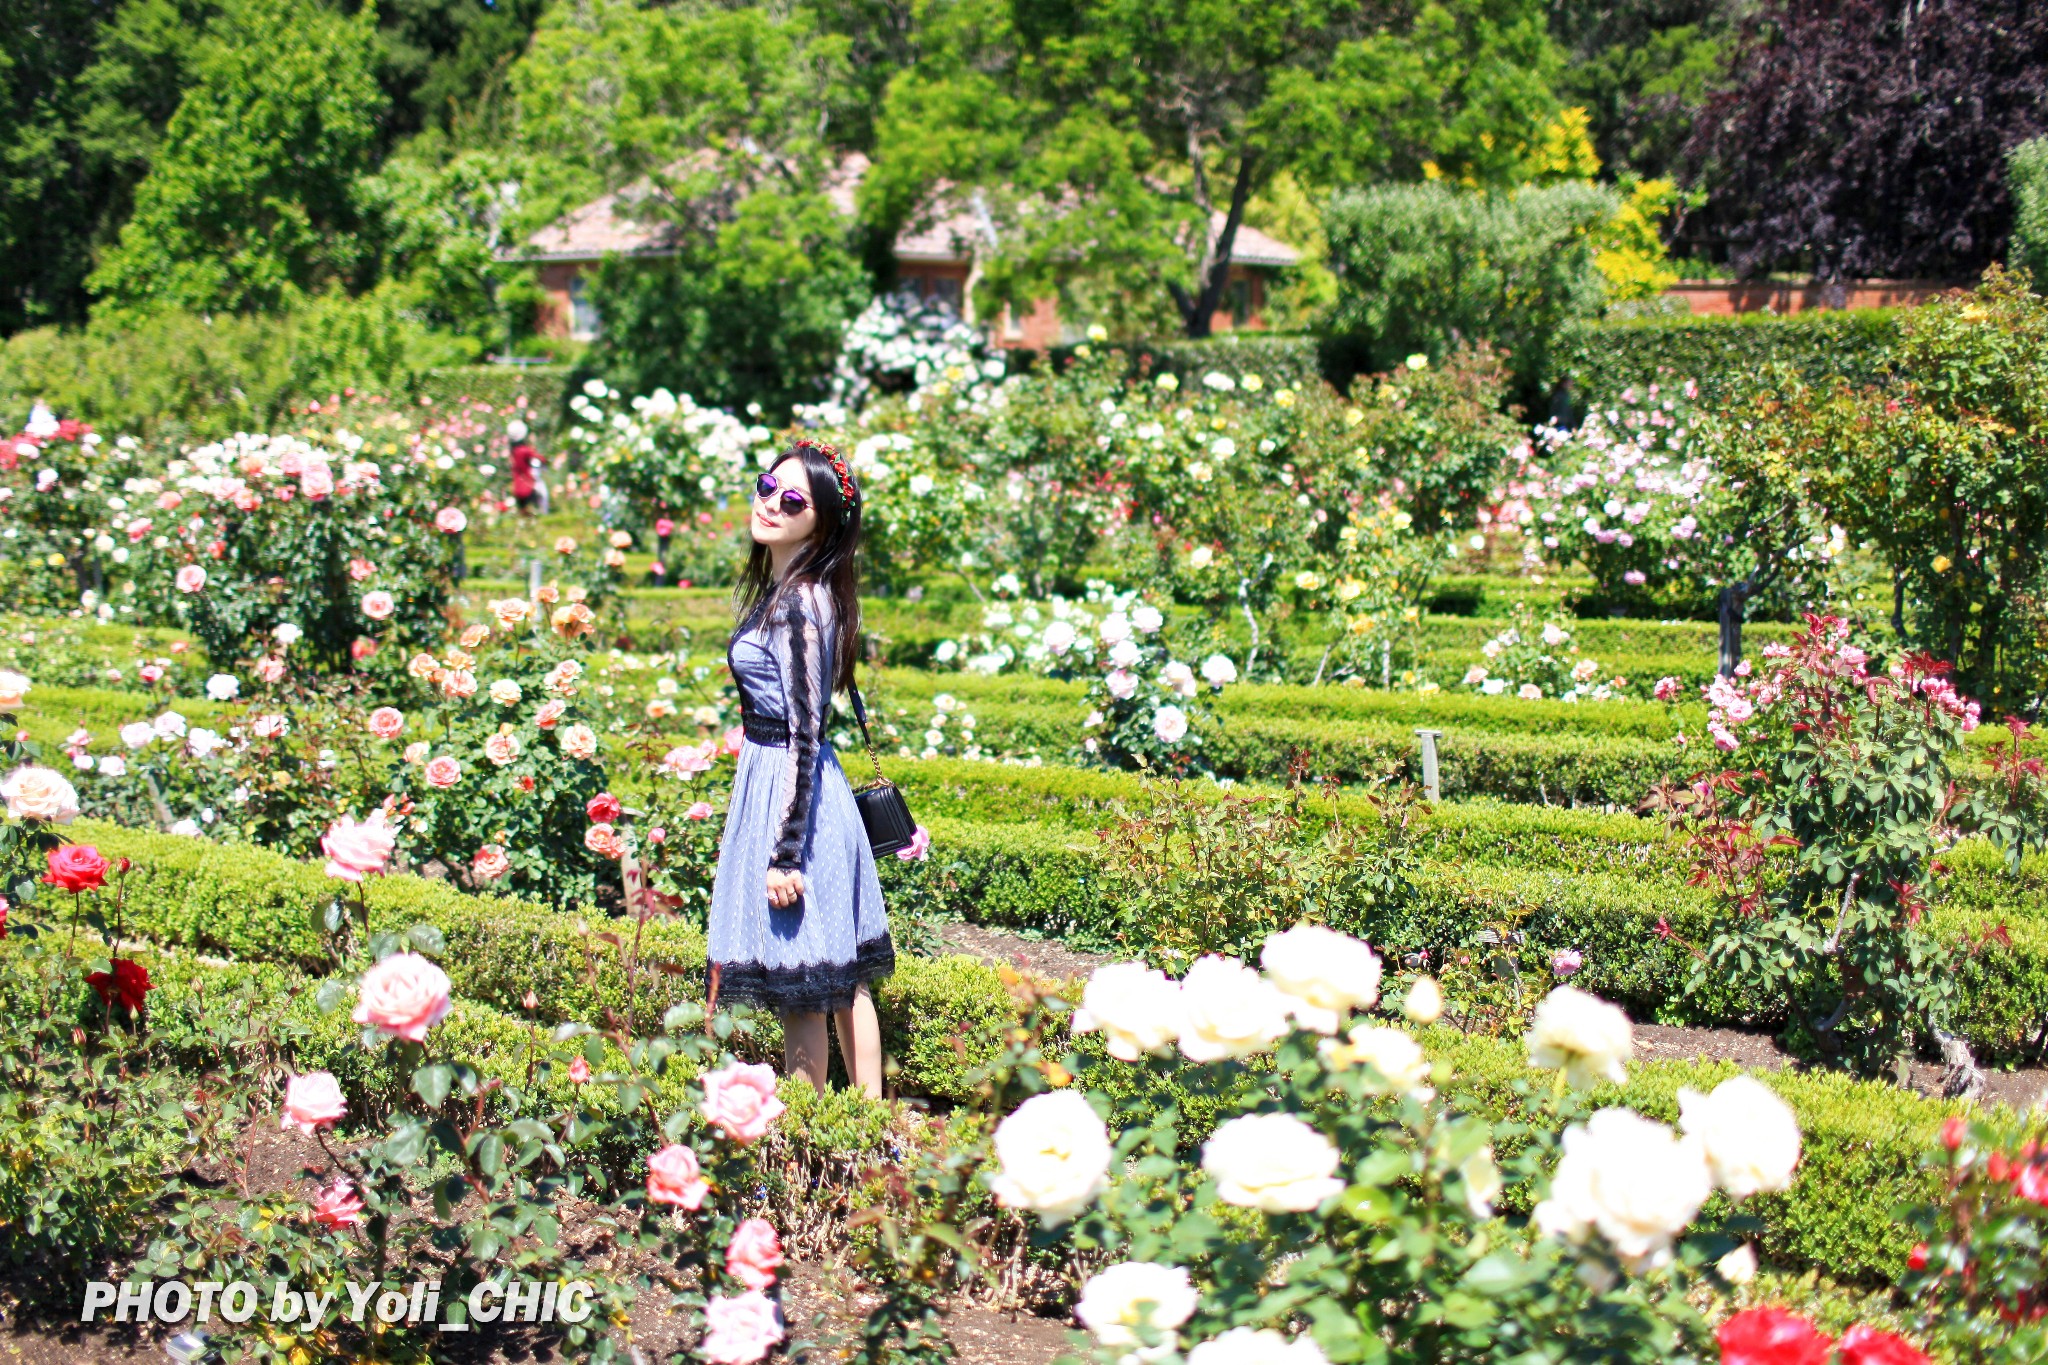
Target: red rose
<point>1863,1345</point>
<point>1953,1131</point>
<point>1917,1259</point>
<point>1772,1336</point>
<point>129,982</point>
<point>603,808</point>
<point>76,867</point>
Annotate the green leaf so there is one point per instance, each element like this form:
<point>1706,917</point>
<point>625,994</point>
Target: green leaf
<point>330,996</point>
<point>1498,1274</point>
<point>428,939</point>
<point>431,1083</point>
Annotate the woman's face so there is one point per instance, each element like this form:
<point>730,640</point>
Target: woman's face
<point>773,523</point>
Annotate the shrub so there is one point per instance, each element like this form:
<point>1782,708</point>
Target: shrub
<point>1725,356</point>
<point>2026,170</point>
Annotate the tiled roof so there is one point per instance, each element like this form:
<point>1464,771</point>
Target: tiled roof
<point>609,225</point>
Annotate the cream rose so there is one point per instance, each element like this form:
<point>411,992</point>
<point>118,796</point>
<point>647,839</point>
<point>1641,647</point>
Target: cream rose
<point>1750,1135</point>
<point>1052,1156</point>
<point>1136,1009</point>
<point>1396,1059</point>
<point>1274,1162</point>
<point>1585,1037</point>
<point>1635,1182</point>
<point>1118,1301</point>
<point>1424,1003</point>
<point>1324,973</point>
<point>40,794</point>
<point>404,996</point>
<point>1260,1346</point>
<point>579,741</point>
<point>1228,1011</point>
<point>505,692</point>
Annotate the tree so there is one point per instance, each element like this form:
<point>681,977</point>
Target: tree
<point>1865,137</point>
<point>1642,70</point>
<point>1120,142</point>
<point>252,198</point>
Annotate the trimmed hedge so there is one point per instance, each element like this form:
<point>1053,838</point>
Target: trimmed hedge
<point>1724,354</point>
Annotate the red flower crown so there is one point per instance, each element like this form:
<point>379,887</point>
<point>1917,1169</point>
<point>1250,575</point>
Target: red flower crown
<point>831,454</point>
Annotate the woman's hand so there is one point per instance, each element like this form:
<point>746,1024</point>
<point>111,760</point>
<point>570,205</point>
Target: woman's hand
<point>784,887</point>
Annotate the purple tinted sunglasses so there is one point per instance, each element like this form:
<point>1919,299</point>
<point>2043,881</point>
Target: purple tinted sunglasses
<point>792,502</point>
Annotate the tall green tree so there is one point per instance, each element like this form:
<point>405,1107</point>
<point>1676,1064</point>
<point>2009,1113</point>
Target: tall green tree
<point>252,197</point>
<point>1123,140</point>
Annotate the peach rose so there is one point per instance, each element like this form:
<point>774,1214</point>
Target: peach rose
<point>564,545</point>
<point>603,840</point>
<point>741,1101</point>
<point>502,747</point>
<point>387,722</point>
<point>416,752</point>
<point>622,540</point>
<point>356,849</point>
<point>379,604</point>
<point>35,793</point>
<point>615,559</point>
<point>549,713</point>
<point>423,666</point>
<point>443,772</point>
<point>740,1331</point>
<point>312,1102</point>
<point>473,636</point>
<point>673,1177</point>
<point>561,679</point>
<point>548,594</point>
<point>404,996</point>
<point>490,863</point>
<point>572,620</point>
<point>512,612</point>
<point>191,578</point>
<point>580,741</point>
<point>458,683</point>
<point>755,1254</point>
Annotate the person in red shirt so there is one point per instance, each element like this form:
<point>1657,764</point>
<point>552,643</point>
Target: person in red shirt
<point>526,487</point>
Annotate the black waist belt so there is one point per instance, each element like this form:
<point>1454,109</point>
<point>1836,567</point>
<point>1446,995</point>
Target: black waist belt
<point>765,730</point>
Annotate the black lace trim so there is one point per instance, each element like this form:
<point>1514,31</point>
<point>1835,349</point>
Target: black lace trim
<point>817,989</point>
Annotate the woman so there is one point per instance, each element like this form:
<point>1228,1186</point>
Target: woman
<point>796,912</point>
<point>525,460</point>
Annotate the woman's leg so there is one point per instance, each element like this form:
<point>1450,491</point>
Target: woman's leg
<point>805,1049</point>
<point>860,1042</point>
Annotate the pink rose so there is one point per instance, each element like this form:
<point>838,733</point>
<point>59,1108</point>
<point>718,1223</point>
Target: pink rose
<point>416,752</point>
<point>270,727</point>
<point>549,713</point>
<point>191,578</point>
<point>387,722</point>
<point>701,811</point>
<point>458,683</point>
<point>490,863</point>
<point>1667,688</point>
<point>338,1206</point>
<point>673,1177</point>
<point>443,772</point>
<point>686,761</point>
<point>579,1071</point>
<point>755,1254</point>
<point>379,604</point>
<point>151,673</point>
<point>732,740</point>
<point>741,1100</point>
<point>919,848</point>
<point>580,741</point>
<point>360,568</point>
<point>740,1331</point>
<point>603,840</point>
<point>270,669</point>
<point>501,748</point>
<point>312,1102</point>
<point>404,995</point>
<point>356,850</point>
<point>317,481</point>
<point>659,835</point>
<point>664,528</point>
<point>451,520</point>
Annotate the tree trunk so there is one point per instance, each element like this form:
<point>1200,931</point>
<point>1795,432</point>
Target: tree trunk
<point>1198,309</point>
<point>1734,601</point>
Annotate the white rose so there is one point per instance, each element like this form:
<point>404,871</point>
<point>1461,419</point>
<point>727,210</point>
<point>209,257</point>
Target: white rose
<point>1147,619</point>
<point>1323,973</point>
<point>1118,1301</point>
<point>170,725</point>
<point>203,742</point>
<point>1052,1155</point>
<point>1398,1059</point>
<point>1635,1182</point>
<point>1201,557</point>
<point>1122,684</point>
<point>1125,653</point>
<point>1739,1265</point>
<point>1059,636</point>
<point>286,634</point>
<point>921,484</point>
<point>138,734</point>
<point>1178,677</point>
<point>223,687</point>
<point>1263,1346</point>
<point>1116,626</point>
<point>1227,1010</point>
<point>1169,723</point>
<point>1750,1135</point>
<point>1274,1162</point>
<point>111,765</point>
<point>1218,669</point>
<point>1585,1036</point>
<point>1136,1009</point>
<point>35,793</point>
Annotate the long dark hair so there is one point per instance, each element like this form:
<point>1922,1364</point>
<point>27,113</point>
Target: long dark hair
<point>828,558</point>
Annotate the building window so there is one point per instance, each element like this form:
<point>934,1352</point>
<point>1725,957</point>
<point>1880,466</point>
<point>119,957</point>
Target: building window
<point>583,320</point>
<point>943,290</point>
<point>1237,300</point>
<point>1013,326</point>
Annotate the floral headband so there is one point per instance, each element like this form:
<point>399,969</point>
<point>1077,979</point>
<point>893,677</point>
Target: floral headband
<point>831,454</point>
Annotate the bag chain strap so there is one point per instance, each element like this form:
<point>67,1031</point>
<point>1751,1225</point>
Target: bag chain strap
<point>860,713</point>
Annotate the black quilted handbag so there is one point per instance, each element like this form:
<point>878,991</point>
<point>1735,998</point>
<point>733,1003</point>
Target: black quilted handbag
<point>882,807</point>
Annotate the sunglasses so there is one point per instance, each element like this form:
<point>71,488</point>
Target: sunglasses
<point>792,502</point>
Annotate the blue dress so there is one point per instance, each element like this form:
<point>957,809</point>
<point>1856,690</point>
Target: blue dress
<point>793,809</point>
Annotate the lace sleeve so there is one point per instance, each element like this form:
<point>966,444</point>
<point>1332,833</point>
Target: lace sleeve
<point>806,691</point>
